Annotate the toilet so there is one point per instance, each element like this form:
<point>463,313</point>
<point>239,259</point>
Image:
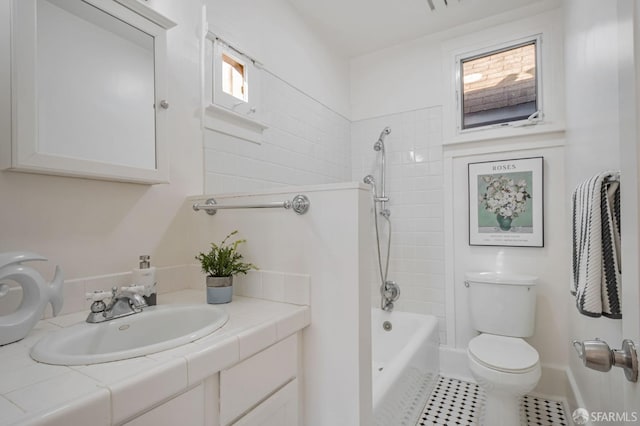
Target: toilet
<point>502,308</point>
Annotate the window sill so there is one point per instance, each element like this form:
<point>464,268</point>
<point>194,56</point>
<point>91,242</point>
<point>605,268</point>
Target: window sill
<point>494,133</point>
<point>232,123</point>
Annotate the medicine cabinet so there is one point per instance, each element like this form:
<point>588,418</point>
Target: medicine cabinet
<point>89,90</point>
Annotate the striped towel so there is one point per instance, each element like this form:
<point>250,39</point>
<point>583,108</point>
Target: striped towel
<point>596,246</point>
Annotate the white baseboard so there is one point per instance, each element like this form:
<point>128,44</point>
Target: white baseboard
<point>574,397</point>
<point>554,383</point>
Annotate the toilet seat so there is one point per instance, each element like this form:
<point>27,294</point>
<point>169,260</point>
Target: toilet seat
<point>502,353</point>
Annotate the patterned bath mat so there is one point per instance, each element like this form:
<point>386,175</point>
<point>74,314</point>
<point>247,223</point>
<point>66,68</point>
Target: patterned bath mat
<point>453,402</point>
<point>456,402</point>
<point>543,412</point>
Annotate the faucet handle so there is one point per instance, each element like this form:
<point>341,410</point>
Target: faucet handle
<point>98,295</point>
<point>140,289</point>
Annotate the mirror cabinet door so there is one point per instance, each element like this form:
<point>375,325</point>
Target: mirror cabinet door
<point>89,79</point>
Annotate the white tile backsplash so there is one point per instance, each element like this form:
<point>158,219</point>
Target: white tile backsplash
<point>275,286</point>
<point>297,289</point>
<point>249,285</point>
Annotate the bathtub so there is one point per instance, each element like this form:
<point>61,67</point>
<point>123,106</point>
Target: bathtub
<point>405,365</point>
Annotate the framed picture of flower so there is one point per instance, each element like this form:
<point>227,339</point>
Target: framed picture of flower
<point>506,203</point>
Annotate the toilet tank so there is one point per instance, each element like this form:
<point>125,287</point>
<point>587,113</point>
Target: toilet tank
<point>502,304</point>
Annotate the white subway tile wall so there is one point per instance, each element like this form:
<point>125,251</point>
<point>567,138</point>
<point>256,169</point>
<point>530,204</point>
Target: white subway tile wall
<point>275,286</point>
<point>414,186</point>
<point>306,144</point>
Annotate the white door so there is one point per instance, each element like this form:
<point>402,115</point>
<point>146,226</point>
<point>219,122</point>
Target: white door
<point>630,187</point>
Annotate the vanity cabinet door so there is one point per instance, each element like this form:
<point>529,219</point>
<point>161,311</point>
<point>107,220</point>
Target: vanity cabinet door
<point>185,409</point>
<point>281,409</point>
<point>254,380</point>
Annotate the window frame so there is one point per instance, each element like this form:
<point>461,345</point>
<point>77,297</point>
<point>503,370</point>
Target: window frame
<point>251,78</point>
<point>223,112</point>
<point>244,92</point>
<point>534,119</point>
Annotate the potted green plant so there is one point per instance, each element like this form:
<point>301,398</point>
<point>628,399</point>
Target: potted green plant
<point>220,264</point>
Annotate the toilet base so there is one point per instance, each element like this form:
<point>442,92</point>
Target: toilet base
<point>503,392</point>
<point>501,409</point>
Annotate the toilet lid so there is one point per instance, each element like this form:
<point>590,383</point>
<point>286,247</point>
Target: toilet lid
<point>509,354</point>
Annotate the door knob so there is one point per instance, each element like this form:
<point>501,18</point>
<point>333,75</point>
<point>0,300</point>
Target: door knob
<point>597,355</point>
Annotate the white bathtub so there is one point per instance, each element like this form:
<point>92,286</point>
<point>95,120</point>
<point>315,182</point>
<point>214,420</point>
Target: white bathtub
<point>405,365</point>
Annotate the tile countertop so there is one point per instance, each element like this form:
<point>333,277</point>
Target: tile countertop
<point>33,393</point>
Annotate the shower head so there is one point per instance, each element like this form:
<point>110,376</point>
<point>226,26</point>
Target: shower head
<point>379,145</point>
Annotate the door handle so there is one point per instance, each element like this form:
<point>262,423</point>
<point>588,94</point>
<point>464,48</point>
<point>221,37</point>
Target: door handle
<point>597,355</point>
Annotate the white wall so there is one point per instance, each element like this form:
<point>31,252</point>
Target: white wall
<point>593,145</point>
<point>304,103</point>
<point>94,227</point>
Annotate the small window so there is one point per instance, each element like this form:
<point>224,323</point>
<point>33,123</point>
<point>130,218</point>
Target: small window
<point>500,87</point>
<point>233,77</point>
<point>233,89</point>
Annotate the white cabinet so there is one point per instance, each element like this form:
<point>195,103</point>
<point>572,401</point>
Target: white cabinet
<point>262,390</point>
<point>253,380</point>
<point>187,409</point>
<point>89,90</point>
<point>281,409</point>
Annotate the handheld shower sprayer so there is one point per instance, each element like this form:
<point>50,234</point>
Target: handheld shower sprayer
<point>369,180</point>
<point>379,145</point>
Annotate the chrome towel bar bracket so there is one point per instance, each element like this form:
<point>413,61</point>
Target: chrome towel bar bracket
<point>299,204</point>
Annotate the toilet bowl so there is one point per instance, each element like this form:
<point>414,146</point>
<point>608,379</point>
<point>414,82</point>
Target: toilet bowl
<point>502,310</point>
<point>506,368</point>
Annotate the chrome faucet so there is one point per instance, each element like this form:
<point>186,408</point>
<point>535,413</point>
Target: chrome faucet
<point>123,302</point>
<point>390,292</point>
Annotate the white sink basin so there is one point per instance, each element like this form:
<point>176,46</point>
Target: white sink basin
<point>156,329</point>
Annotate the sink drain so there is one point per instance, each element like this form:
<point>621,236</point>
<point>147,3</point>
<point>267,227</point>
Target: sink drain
<point>387,326</point>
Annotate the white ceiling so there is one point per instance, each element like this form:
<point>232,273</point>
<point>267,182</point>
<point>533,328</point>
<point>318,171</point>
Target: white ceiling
<point>360,26</point>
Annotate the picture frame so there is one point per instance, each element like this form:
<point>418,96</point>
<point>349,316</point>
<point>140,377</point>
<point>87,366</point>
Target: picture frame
<point>506,202</point>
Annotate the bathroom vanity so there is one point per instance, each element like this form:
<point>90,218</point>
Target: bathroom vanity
<point>246,373</point>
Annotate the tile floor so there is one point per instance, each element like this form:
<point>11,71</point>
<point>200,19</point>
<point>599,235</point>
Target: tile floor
<point>454,402</point>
